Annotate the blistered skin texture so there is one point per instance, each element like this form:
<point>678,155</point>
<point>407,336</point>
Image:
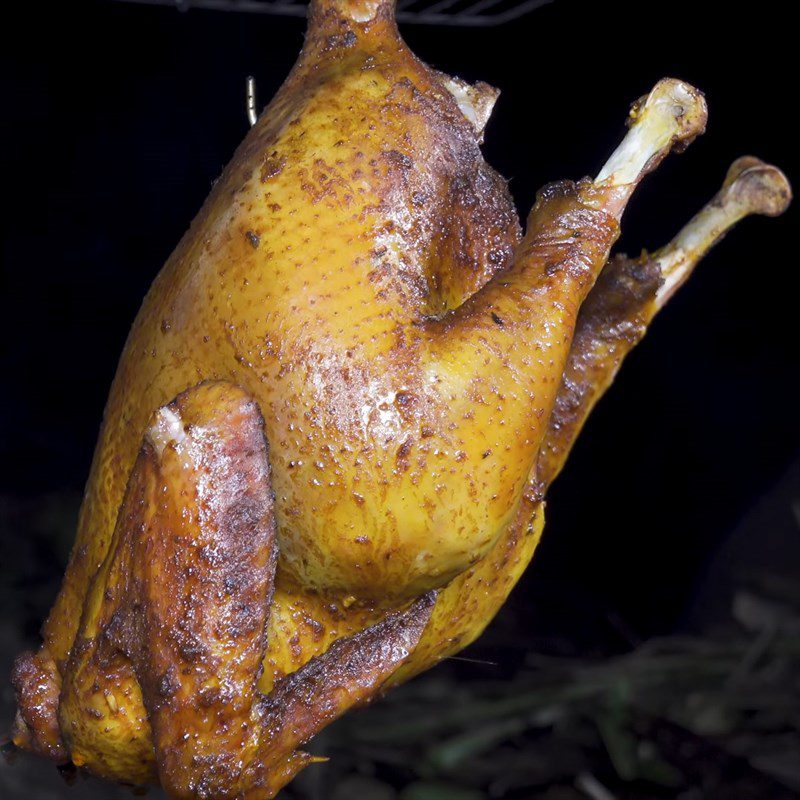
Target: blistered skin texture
<point>175,621</point>
<point>323,459</point>
<point>323,242</point>
<point>304,280</point>
<point>612,321</point>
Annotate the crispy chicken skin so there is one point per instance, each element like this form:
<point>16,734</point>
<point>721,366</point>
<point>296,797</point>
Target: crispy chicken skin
<point>323,460</point>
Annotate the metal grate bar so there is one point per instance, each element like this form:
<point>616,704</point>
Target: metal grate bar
<point>483,13</point>
<point>481,6</point>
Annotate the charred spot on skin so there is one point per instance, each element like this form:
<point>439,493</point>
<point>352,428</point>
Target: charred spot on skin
<point>209,696</point>
<point>335,611</point>
<point>192,650</point>
<point>405,402</point>
<point>317,629</point>
<point>168,684</point>
<point>343,40</point>
<point>404,399</point>
<point>232,583</point>
<point>396,158</point>
<point>497,320</point>
<point>405,449</point>
<point>273,166</point>
<point>243,621</point>
<point>253,238</point>
<point>486,454</point>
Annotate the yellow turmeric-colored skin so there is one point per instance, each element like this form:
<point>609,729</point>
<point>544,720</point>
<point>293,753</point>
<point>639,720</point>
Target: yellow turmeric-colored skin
<point>317,471</point>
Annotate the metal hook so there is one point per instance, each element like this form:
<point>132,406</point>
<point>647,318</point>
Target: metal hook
<point>252,114</point>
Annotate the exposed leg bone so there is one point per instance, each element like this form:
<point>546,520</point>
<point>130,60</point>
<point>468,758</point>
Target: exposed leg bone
<point>630,292</point>
<point>174,628</point>
<point>751,187</point>
<point>670,117</point>
<point>527,313</point>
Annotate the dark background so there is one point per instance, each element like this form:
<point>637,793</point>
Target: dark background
<point>119,117</point>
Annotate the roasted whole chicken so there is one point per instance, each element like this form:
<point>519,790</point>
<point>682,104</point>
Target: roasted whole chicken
<point>324,456</point>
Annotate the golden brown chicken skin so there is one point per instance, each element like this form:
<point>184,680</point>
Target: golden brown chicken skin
<point>324,455</point>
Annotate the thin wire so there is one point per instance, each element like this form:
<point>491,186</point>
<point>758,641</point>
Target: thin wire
<point>442,5</point>
<point>480,661</point>
<point>481,5</point>
<point>434,14</point>
<point>250,95</point>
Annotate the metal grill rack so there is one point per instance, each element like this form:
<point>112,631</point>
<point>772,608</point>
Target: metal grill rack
<point>466,13</point>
